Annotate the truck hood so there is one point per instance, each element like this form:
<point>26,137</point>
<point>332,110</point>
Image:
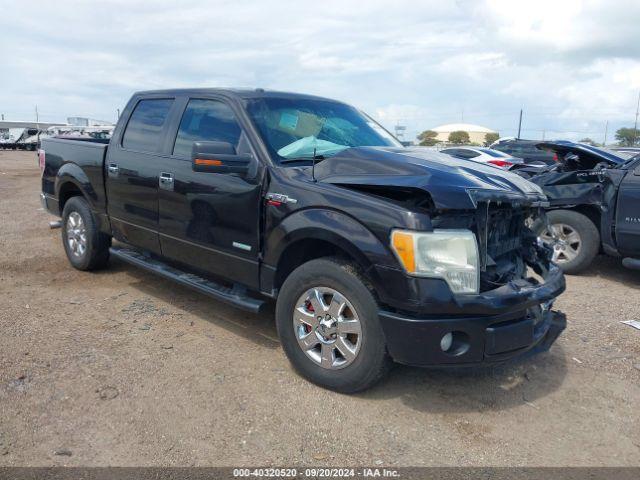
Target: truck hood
<point>594,154</point>
<point>452,183</point>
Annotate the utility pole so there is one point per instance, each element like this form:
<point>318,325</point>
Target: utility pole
<point>118,110</point>
<point>3,117</point>
<point>37,125</point>
<point>606,127</point>
<point>635,126</point>
<point>519,124</point>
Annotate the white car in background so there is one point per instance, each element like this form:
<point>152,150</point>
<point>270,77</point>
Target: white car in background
<point>484,155</point>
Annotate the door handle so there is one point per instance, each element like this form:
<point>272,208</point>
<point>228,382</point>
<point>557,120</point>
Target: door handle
<point>113,170</point>
<point>166,180</point>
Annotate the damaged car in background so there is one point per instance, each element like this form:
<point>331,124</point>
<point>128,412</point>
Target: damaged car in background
<point>373,253</point>
<point>594,204</point>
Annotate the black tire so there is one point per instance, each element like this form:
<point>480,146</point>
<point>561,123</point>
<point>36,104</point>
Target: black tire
<point>96,252</point>
<point>589,236</point>
<point>371,362</point>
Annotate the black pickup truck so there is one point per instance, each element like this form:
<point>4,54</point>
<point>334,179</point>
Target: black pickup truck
<point>373,252</point>
<point>594,204</point>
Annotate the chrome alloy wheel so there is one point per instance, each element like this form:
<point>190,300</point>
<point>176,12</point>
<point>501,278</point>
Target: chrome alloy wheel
<point>564,240</point>
<point>327,328</point>
<point>76,234</point>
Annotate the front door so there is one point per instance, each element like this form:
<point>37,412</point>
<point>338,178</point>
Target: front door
<point>210,221</point>
<point>628,214</point>
<point>131,172</point>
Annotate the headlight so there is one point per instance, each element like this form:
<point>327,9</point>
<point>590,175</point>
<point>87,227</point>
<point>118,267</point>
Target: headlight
<point>448,254</point>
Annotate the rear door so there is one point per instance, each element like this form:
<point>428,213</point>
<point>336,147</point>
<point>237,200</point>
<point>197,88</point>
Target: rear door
<point>628,214</point>
<point>210,221</point>
<point>132,172</point>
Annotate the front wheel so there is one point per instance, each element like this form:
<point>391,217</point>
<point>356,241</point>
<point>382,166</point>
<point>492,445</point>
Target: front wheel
<point>574,238</point>
<point>327,319</point>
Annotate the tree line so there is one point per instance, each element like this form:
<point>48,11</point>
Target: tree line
<point>626,137</point>
<point>459,137</point>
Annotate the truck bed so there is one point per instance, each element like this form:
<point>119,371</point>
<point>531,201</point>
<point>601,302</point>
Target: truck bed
<point>81,160</point>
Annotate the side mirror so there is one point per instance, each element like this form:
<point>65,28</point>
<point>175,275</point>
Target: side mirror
<point>218,157</point>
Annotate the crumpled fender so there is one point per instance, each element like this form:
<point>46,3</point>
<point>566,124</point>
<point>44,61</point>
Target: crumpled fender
<point>572,188</point>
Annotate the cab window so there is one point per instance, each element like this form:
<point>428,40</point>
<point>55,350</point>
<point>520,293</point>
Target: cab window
<point>144,130</point>
<point>206,120</point>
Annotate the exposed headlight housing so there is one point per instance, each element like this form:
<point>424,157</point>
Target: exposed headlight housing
<point>448,254</point>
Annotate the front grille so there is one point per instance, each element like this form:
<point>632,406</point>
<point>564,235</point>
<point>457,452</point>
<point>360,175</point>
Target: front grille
<point>505,228</point>
<point>504,240</point>
<point>501,231</point>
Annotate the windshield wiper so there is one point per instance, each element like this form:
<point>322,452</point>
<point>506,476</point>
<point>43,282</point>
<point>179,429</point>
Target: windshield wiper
<point>303,159</point>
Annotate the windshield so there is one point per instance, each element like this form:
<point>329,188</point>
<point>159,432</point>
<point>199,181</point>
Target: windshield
<point>298,128</point>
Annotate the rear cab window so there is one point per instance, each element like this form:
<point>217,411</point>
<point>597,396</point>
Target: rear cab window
<point>144,129</point>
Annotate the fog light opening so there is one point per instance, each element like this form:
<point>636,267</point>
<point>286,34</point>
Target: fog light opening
<point>446,342</point>
<point>455,343</point>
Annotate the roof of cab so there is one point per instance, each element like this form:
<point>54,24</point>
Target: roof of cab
<point>244,93</point>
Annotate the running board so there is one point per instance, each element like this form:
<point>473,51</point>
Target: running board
<point>236,296</point>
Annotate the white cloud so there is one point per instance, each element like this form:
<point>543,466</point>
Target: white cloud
<point>570,64</point>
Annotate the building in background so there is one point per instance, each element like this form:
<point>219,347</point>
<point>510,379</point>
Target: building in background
<point>476,132</point>
<point>87,122</point>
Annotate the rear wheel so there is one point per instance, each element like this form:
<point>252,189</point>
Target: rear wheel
<point>574,238</point>
<point>327,320</point>
<point>87,248</point>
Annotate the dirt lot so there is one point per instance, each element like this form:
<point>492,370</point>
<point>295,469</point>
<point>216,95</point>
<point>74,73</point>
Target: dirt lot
<point>123,368</point>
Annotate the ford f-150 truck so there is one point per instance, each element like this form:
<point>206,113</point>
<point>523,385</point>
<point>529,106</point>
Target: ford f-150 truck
<point>372,252</point>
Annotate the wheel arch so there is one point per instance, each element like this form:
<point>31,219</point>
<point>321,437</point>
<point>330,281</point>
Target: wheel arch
<point>67,190</point>
<point>317,233</point>
<point>72,181</point>
<point>311,248</point>
<point>592,212</point>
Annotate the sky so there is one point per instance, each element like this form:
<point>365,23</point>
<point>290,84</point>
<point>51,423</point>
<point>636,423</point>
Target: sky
<point>571,66</point>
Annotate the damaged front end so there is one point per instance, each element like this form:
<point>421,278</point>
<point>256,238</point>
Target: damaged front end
<point>511,315</point>
<point>507,245</point>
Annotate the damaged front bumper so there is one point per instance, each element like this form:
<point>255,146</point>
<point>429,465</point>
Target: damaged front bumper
<point>493,326</point>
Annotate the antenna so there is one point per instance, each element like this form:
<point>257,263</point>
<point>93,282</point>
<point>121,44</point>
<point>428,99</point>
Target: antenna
<point>313,165</point>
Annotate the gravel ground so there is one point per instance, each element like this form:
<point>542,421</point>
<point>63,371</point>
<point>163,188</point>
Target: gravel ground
<point>122,368</point>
